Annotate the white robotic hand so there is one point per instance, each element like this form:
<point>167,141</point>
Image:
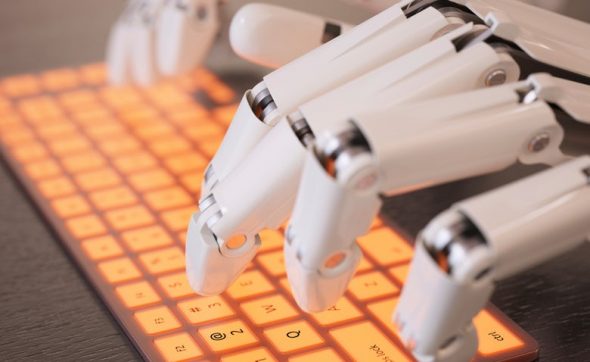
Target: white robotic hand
<point>155,38</point>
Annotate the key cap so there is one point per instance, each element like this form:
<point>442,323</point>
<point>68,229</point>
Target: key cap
<point>364,342</point>
<point>163,260</point>
<point>321,355</point>
<point>101,248</point>
<point>383,311</point>
<point>271,240</point>
<point>386,247</point>
<point>18,86</point>
<point>137,294</point>
<point>136,161</point>
<point>249,284</point>
<point>56,187</point>
<point>63,147</point>
<point>70,206</point>
<point>94,180</point>
<point>85,161</point>
<point>178,347</point>
<point>85,226</point>
<point>30,152</point>
<point>176,285</point>
<point>494,337</point>
<point>255,355</point>
<point>146,238</point>
<point>112,198</point>
<point>93,74</point>
<point>342,311</point>
<point>157,320</point>
<point>192,181</point>
<point>59,79</point>
<point>119,270</point>
<point>150,180</point>
<point>168,198</point>
<point>178,219</point>
<point>205,309</point>
<point>370,286</point>
<point>264,311</point>
<point>42,169</point>
<point>400,273</point>
<point>118,146</point>
<point>170,145</point>
<point>364,265</point>
<point>293,337</point>
<point>274,263</point>
<point>185,162</point>
<point>129,217</point>
<point>227,336</point>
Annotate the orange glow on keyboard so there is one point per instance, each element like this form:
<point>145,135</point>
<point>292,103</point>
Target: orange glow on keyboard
<point>117,172</point>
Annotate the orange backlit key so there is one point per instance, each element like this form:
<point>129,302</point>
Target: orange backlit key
<point>177,219</point>
<point>271,240</point>
<point>205,309</point>
<point>494,337</point>
<point>203,132</point>
<point>170,145</point>
<point>42,169</point>
<point>98,179</point>
<point>342,311</point>
<point>82,162</point>
<point>101,247</point>
<point>293,337</point>
<point>178,347</point>
<point>157,320</point>
<point>18,86</point>
<point>249,284</point>
<point>119,97</point>
<point>167,198</point>
<point>137,294</point>
<point>113,197</point>
<point>56,187</point>
<point>268,310</point>
<point>377,223</point>
<point>93,74</point>
<point>136,161</point>
<point>192,181</point>
<point>85,226</point>
<point>185,162</point>
<point>70,206</point>
<point>364,265</point>
<point>119,145</point>
<point>63,147</point>
<point>371,285</point>
<point>151,179</point>
<point>383,311</point>
<point>119,270</point>
<point>228,336</point>
<point>29,152</point>
<point>364,342</point>
<point>146,238</point>
<point>58,129</point>
<point>400,272</point>
<point>255,355</point>
<point>80,98</point>
<point>176,285</point>
<point>209,147</point>
<point>130,217</point>
<point>163,260</point>
<point>154,130</point>
<point>274,263</point>
<point>386,247</point>
<point>59,79</point>
<point>321,355</point>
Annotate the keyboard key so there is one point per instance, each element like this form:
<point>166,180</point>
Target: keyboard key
<point>136,161</point>
<point>170,145</point>
<point>364,265</point>
<point>163,260</point>
<point>56,187</point>
<point>58,128</point>
<point>274,263</point>
<point>94,180</point>
<point>146,238</point>
<point>168,198</point>
<point>42,169</point>
<point>293,337</point>
<point>21,85</point>
<point>386,247</point>
<point>364,342</point>
<point>494,337</point>
<point>130,217</point>
<point>255,355</point>
<point>205,309</point>
<point>400,273</point>
<point>93,74</point>
<point>118,146</point>
<point>62,147</point>
<point>371,285</point>
<point>343,311</point>
<point>29,152</point>
<point>177,219</point>
<point>203,132</point>
<point>101,248</point>
<point>176,285</point>
<point>60,79</point>
<point>383,311</point>
<point>228,336</point>
<point>157,320</point>
<point>112,198</point>
<point>150,180</point>
<point>137,294</point>
<point>271,240</point>
<point>85,226</point>
<point>268,310</point>
<point>70,206</point>
<point>249,284</point>
<point>321,355</point>
<point>192,181</point>
<point>185,162</point>
<point>119,270</point>
<point>178,347</point>
<point>85,161</point>
<point>377,223</point>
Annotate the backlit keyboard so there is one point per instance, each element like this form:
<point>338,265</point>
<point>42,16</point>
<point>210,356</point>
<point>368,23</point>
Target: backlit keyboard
<point>117,171</point>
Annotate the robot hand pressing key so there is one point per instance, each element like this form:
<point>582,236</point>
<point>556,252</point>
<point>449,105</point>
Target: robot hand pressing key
<point>423,93</point>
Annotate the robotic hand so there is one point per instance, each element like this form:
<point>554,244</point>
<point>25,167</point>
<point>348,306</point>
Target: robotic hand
<point>423,93</point>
